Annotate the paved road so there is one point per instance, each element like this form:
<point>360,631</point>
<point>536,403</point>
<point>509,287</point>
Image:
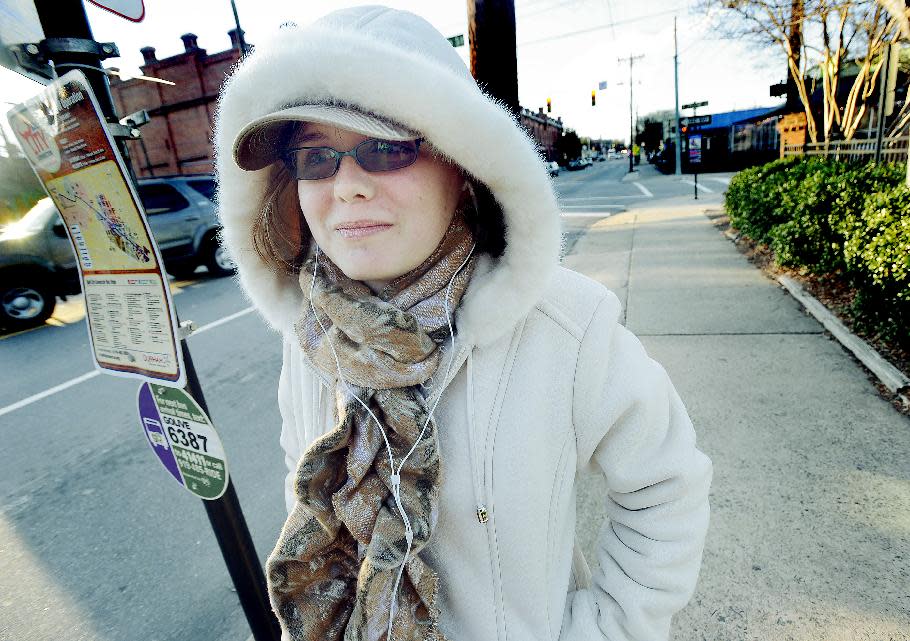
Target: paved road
<point>96,542</point>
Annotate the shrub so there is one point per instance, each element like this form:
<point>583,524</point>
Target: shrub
<point>831,216</point>
<point>807,237</point>
<point>753,198</point>
<point>879,245</point>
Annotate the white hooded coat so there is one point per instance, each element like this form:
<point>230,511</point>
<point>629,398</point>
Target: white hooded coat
<point>545,382</point>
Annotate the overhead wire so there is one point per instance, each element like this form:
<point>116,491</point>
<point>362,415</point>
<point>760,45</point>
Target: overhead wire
<point>608,25</point>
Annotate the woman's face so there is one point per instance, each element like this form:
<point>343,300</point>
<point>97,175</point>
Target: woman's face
<point>376,226</point>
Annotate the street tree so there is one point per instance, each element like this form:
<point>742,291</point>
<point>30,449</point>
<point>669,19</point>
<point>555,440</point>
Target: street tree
<point>569,145</point>
<point>826,43</point>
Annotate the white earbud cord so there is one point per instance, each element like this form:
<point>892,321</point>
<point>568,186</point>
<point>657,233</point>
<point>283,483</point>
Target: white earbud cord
<point>396,474</point>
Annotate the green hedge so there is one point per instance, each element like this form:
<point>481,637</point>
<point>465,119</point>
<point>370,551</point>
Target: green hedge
<point>835,217</point>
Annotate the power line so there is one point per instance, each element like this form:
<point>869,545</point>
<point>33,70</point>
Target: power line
<point>610,14</point>
<point>550,8</point>
<point>599,27</point>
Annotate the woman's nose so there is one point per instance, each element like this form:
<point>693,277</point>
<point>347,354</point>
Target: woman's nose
<point>353,182</point>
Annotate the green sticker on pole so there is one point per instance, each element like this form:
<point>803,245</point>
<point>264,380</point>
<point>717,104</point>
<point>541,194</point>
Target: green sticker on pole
<point>184,439</point>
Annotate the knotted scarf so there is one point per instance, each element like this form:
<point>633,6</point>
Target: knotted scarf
<point>321,586</point>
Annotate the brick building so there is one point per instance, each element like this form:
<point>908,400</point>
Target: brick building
<point>545,130</point>
<point>177,140</point>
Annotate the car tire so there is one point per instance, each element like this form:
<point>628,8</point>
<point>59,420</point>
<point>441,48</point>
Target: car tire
<point>217,259</point>
<point>25,304</point>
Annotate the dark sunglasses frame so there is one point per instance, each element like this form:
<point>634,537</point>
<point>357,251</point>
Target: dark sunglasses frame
<point>290,157</point>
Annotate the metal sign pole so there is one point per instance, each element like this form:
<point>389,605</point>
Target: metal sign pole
<point>70,45</point>
<point>235,541</point>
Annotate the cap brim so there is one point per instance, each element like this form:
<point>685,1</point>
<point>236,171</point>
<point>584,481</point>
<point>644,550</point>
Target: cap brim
<point>260,142</point>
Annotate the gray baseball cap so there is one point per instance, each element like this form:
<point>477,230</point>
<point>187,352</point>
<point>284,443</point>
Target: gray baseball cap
<point>261,141</point>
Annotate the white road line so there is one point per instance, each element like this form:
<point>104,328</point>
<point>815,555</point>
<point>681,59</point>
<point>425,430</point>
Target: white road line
<point>222,321</point>
<point>700,187</point>
<point>605,214</point>
<point>48,392</point>
<point>720,179</point>
<point>90,375</point>
<point>643,189</point>
<point>592,207</point>
<point>589,198</point>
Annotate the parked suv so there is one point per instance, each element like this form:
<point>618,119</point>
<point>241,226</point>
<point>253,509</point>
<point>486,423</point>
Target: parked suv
<point>37,263</point>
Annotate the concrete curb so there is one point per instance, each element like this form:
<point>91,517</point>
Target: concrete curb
<point>890,376</point>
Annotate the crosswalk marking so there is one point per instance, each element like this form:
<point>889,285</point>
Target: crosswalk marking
<point>643,189</point>
<point>700,187</point>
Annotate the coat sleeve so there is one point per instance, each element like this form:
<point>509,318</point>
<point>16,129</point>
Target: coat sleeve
<point>632,427</point>
<point>290,440</point>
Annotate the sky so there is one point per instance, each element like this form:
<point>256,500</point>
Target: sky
<point>554,59</point>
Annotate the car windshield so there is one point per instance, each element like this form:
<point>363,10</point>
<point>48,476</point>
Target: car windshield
<point>35,220</point>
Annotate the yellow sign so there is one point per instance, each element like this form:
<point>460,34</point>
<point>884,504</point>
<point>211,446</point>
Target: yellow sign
<point>130,314</point>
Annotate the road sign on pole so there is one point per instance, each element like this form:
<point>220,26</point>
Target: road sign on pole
<point>691,121</point>
<point>130,315</point>
<point>133,10</point>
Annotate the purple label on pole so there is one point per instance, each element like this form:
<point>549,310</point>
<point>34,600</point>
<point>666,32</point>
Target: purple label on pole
<point>154,432</point>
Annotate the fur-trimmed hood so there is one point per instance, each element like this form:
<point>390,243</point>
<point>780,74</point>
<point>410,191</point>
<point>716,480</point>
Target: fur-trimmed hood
<point>394,64</point>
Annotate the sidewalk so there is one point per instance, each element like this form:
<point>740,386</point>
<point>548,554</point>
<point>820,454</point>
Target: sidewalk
<point>810,523</point>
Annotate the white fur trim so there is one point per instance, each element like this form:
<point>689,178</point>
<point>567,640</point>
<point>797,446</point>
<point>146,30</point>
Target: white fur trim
<point>392,63</point>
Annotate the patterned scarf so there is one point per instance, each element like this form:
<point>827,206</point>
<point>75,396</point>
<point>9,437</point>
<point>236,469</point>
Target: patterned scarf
<point>320,586</point>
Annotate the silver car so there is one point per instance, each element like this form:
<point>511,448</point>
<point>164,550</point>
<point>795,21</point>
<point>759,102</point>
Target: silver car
<point>37,263</point>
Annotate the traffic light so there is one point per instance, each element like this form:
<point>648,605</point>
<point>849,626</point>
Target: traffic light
<point>593,99</point>
<point>549,106</point>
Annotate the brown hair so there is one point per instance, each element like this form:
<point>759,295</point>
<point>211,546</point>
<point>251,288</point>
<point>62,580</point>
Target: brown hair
<point>281,237</point>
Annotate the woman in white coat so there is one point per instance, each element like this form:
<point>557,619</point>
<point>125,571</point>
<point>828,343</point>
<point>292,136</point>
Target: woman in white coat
<point>444,379</point>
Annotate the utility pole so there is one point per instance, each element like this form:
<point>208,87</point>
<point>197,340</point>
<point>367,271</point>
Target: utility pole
<point>491,35</point>
<point>678,171</point>
<point>631,60</point>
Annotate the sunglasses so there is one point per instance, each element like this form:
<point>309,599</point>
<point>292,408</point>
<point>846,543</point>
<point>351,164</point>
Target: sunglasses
<point>316,163</point>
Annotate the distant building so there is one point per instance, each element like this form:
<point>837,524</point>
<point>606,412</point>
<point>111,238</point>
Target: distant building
<point>729,142</point>
<point>177,140</point>
<point>544,129</point>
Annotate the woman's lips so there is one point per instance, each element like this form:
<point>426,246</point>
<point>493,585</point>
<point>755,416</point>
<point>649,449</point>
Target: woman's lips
<point>359,229</point>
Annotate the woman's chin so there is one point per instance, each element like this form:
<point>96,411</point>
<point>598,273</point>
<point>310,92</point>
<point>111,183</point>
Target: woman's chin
<point>367,273</point>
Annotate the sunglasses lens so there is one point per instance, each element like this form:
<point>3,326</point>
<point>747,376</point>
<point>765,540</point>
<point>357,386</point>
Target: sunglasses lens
<point>385,155</point>
<point>313,164</point>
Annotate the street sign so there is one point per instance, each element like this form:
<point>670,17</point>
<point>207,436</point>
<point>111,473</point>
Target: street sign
<point>131,320</point>
<point>691,121</point>
<point>695,149</point>
<point>133,10</point>
<point>457,41</point>
<point>695,105</point>
<point>184,440</point>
